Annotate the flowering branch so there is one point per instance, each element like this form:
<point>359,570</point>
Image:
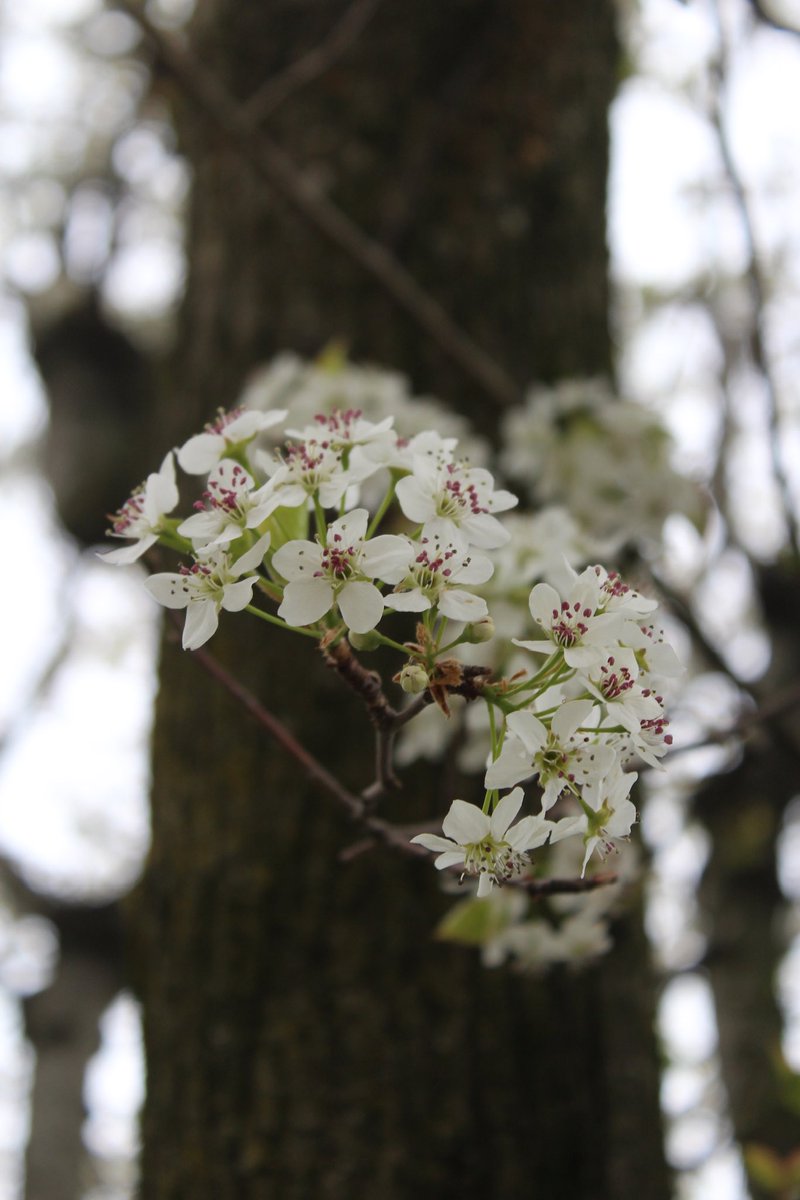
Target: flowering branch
<point>300,520</point>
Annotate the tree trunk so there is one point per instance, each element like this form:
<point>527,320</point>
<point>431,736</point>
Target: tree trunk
<point>305,1035</point>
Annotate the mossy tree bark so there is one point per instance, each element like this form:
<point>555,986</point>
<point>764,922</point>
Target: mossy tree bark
<point>305,1035</point>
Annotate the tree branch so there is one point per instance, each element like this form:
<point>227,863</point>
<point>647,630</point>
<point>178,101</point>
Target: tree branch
<point>271,164</point>
<point>756,284</point>
<point>304,70</point>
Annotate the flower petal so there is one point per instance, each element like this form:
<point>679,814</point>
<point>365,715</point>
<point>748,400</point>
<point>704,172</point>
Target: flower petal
<point>361,605</point>
<point>305,602</point>
<point>202,620</point>
<point>504,812</point>
<point>465,823</point>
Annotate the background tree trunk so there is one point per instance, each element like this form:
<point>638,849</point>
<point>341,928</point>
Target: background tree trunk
<point>305,1035</point>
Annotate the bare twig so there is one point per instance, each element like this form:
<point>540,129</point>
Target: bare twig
<point>271,164</point>
<point>540,888</point>
<point>304,70</point>
<point>756,284</point>
<point>377,830</point>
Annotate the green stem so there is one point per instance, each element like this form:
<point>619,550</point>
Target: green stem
<point>265,616</point>
<point>387,641</point>
<point>381,510</point>
<point>322,525</point>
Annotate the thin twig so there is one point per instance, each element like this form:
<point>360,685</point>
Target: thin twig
<point>756,284</point>
<point>395,836</point>
<point>304,70</point>
<point>271,164</point>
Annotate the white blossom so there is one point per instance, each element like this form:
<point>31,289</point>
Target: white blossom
<point>202,452</point>
<point>560,756</point>
<point>575,622</point>
<point>213,582</point>
<point>433,580</point>
<point>608,814</point>
<point>141,515</point>
<point>454,501</point>
<point>230,505</point>
<point>487,846</point>
<point>340,573</point>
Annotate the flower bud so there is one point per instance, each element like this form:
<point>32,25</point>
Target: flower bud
<point>413,678</point>
<point>364,641</point>
<point>479,631</point>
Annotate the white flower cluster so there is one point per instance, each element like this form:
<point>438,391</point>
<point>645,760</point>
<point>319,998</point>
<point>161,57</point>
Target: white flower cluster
<point>293,514</point>
<point>606,459</point>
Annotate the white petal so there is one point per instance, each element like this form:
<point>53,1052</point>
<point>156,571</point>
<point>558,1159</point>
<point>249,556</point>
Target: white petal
<point>542,601</point>
<point>361,606</point>
<point>129,554</point>
<point>569,716</point>
<point>529,833</point>
<point>200,453</point>
<point>485,531</point>
<point>251,558</point>
<point>236,596</point>
<point>305,602</point>
<point>298,560</point>
<point>529,729</point>
<point>505,811</point>
<point>352,526</point>
<point>170,589</point>
<point>513,765</point>
<point>415,503</point>
<point>465,823</point>
<point>202,621</point>
<point>386,557</point>
<point>534,647</point>
<point>161,491</point>
<point>462,606</point>
<point>477,569</point>
<point>412,601</point>
<point>201,526</point>
<point>432,841</point>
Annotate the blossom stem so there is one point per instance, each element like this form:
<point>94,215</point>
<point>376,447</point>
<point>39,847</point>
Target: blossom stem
<point>387,641</point>
<point>322,525</point>
<point>265,616</point>
<point>381,510</point>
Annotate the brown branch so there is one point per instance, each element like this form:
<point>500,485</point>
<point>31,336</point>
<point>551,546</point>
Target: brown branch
<point>271,164</point>
<point>304,70</point>
<point>540,888</point>
<point>366,684</point>
<point>782,703</point>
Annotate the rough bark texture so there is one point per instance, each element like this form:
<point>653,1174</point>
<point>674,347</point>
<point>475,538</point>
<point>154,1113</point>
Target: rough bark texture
<point>305,1036</point>
<point>744,908</point>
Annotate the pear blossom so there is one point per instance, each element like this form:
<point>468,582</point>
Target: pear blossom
<point>576,622</point>
<point>230,505</point>
<point>213,582</point>
<point>487,846</point>
<point>141,515</point>
<point>433,579</point>
<point>306,469</point>
<point>340,573</point>
<point>638,709</point>
<point>560,756</point>
<point>454,501</point>
<point>203,451</point>
<point>608,814</point>
<point>343,429</point>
